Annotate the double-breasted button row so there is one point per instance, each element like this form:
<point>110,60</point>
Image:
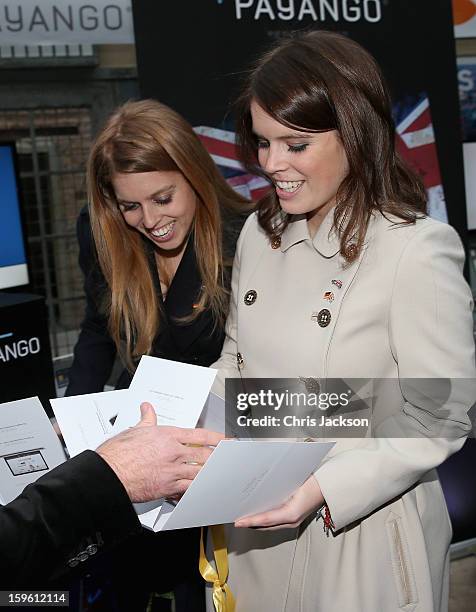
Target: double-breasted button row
<point>323,317</point>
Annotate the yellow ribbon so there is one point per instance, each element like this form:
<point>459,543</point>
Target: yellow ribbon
<point>223,599</point>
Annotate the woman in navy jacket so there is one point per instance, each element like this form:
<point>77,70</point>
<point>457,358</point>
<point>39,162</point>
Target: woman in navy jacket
<point>154,256</point>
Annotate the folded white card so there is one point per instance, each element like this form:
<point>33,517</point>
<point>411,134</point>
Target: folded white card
<point>240,478</point>
<point>29,446</point>
<point>86,421</point>
<point>177,391</point>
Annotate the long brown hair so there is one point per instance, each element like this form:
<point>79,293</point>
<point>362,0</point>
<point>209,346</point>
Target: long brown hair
<point>320,81</point>
<point>148,136</point>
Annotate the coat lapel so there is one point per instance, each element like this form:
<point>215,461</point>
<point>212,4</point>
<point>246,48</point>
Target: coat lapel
<point>335,276</point>
<point>337,280</point>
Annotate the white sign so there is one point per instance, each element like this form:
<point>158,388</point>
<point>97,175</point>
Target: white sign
<point>63,22</point>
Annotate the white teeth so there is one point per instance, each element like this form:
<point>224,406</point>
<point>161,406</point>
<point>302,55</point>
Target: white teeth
<point>163,231</point>
<point>289,186</point>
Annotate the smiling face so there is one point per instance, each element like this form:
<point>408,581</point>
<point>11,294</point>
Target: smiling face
<point>306,168</point>
<point>161,205</point>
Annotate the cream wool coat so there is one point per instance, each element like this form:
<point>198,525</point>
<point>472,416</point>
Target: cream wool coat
<point>404,310</point>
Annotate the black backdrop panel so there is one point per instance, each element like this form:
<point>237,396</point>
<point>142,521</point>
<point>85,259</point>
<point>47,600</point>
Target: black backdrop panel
<point>26,367</point>
<point>191,54</point>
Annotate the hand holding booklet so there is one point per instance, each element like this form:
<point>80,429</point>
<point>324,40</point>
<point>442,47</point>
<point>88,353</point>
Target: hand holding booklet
<point>241,477</point>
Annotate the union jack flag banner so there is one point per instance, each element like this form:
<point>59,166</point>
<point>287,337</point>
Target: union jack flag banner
<point>416,144</point>
<point>221,144</point>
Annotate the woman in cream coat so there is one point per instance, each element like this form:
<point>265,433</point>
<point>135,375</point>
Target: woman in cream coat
<point>341,274</point>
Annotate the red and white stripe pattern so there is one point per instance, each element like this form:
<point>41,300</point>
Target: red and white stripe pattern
<point>416,144</point>
<point>221,144</point>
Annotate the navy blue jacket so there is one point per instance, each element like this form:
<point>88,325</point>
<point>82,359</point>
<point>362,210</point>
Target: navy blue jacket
<point>198,342</point>
<point>57,523</point>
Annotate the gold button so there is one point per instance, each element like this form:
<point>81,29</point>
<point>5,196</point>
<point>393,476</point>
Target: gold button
<point>250,297</point>
<point>276,242</point>
<point>323,317</point>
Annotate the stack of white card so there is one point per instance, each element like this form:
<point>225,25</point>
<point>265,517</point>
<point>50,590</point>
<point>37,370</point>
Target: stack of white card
<point>241,477</point>
<point>177,391</point>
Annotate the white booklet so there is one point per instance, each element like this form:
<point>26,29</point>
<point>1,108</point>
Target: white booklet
<point>176,390</point>
<point>86,421</point>
<point>29,446</point>
<point>240,478</point>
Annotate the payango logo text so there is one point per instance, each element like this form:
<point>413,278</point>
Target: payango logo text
<point>314,10</point>
<point>12,349</point>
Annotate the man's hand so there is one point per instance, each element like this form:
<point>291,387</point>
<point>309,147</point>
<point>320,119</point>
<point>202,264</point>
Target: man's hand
<point>290,514</point>
<point>153,462</point>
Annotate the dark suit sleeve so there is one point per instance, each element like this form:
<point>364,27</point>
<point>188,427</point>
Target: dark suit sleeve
<point>95,351</point>
<point>62,519</point>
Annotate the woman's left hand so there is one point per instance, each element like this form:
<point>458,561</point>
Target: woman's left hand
<point>290,514</point>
